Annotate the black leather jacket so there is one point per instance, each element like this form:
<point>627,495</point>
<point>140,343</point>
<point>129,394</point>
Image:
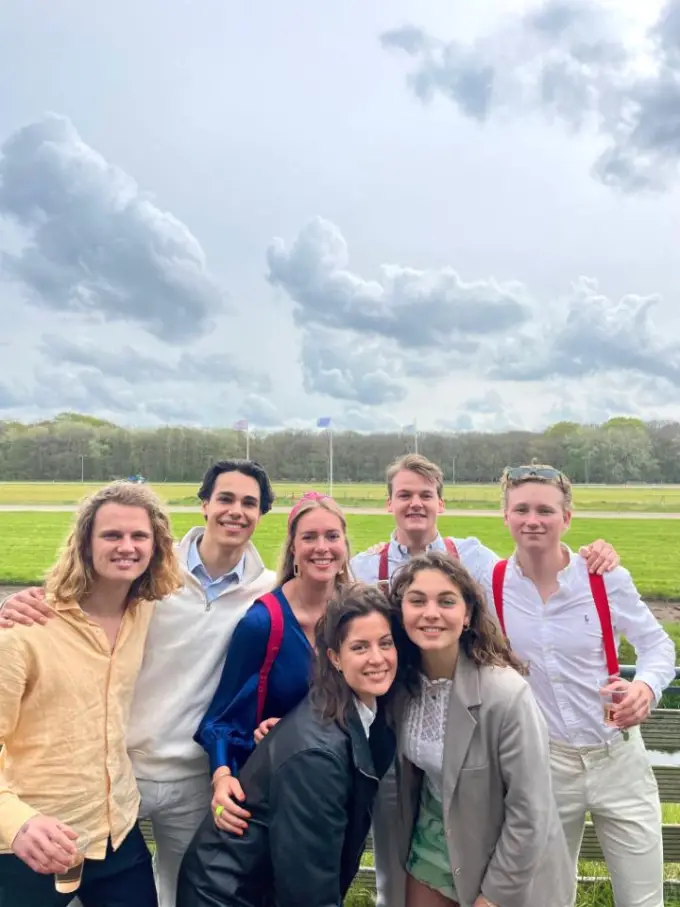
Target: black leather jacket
<point>310,787</point>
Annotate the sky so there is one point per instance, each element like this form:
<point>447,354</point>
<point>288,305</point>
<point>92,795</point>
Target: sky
<point>461,215</point>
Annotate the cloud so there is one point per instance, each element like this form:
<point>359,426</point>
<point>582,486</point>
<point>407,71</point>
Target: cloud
<point>9,398</point>
<point>589,333</point>
<point>98,246</point>
<point>417,309</point>
<point>362,338</point>
<point>128,364</point>
<point>334,364</point>
<point>260,412</point>
<point>571,60</point>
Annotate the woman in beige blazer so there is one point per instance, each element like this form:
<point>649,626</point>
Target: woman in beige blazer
<point>478,824</point>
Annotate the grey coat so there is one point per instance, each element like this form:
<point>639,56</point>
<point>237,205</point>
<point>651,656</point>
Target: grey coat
<point>504,835</point>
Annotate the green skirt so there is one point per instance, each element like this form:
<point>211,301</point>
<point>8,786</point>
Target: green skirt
<point>428,859</point>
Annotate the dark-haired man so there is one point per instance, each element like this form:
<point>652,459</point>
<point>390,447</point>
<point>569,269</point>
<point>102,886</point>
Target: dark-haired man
<point>185,652</point>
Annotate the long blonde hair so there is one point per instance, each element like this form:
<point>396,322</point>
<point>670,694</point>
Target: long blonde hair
<point>311,501</point>
<point>72,577</point>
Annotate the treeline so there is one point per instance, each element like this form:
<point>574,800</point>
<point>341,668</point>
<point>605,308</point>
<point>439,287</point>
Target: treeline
<point>72,446</point>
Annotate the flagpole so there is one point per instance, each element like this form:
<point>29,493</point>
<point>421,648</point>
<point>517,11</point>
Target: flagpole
<point>330,461</point>
<point>415,435</point>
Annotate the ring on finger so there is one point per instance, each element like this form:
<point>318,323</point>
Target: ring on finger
<point>219,810</point>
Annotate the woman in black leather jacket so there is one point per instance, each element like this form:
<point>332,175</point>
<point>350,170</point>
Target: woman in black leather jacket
<point>310,784</point>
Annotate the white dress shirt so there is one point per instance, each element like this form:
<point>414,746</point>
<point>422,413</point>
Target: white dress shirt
<point>477,559</point>
<point>561,641</point>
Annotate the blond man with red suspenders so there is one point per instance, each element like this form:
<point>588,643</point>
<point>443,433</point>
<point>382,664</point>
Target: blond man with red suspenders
<point>565,624</point>
<point>415,497</point>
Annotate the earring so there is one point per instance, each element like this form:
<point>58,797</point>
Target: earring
<point>296,569</point>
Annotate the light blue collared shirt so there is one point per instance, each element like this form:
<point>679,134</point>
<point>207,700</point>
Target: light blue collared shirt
<point>213,587</point>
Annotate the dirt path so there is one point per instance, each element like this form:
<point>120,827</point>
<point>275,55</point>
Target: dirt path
<point>364,511</point>
<point>663,611</point>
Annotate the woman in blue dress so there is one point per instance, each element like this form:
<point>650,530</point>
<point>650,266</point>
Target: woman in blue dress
<point>315,563</point>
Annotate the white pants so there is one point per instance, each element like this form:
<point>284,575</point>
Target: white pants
<point>616,784</point>
<point>176,809</point>
<point>390,876</point>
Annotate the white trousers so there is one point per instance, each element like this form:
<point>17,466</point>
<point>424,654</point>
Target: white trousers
<point>176,809</point>
<point>615,783</point>
<point>390,876</point>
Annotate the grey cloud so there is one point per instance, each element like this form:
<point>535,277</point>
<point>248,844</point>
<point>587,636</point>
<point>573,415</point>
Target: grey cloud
<point>98,245</point>
<point>133,366</point>
<point>259,411</point>
<point>334,364</point>
<point>9,398</point>
<point>595,334</point>
<point>86,390</point>
<point>490,402</point>
<point>417,309</point>
<point>462,422</point>
<point>455,71</point>
<point>408,38</point>
<point>568,59</point>
<point>364,419</point>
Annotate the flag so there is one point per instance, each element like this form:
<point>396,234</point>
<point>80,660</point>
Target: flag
<point>241,425</point>
<point>323,422</point>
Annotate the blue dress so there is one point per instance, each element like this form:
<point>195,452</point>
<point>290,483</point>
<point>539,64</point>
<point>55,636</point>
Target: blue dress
<point>227,729</point>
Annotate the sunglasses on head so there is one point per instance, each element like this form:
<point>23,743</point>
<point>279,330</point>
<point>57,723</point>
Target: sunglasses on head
<point>516,473</point>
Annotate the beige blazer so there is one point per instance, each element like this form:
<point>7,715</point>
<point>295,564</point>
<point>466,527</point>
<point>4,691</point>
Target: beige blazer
<point>503,832</point>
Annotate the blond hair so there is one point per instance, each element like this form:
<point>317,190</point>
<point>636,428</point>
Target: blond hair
<point>286,570</point>
<point>419,464</point>
<point>559,480</point>
<point>72,577</point>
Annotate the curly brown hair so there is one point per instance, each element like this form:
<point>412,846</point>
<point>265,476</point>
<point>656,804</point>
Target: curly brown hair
<point>72,577</point>
<point>329,691</point>
<point>482,641</point>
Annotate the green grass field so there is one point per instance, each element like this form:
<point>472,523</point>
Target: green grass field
<point>649,548</point>
<point>624,498</point>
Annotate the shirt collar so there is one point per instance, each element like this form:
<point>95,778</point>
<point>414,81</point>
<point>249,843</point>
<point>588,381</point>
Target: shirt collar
<point>437,544</point>
<point>366,714</point>
<point>561,574</point>
<point>195,564</point>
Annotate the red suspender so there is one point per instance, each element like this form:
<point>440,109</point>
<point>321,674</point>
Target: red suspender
<point>599,592</point>
<point>497,586</point>
<point>451,548</point>
<point>383,563</point>
<point>272,604</point>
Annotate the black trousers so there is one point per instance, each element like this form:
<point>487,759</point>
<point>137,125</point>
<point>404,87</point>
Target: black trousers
<point>123,879</point>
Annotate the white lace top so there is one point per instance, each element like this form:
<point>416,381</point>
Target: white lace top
<point>424,728</point>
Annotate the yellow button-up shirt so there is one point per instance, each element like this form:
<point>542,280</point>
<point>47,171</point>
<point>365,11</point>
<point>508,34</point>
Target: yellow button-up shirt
<point>65,699</point>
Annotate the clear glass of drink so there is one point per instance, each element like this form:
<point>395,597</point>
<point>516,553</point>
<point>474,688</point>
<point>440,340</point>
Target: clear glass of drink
<point>610,698</point>
<point>69,881</point>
